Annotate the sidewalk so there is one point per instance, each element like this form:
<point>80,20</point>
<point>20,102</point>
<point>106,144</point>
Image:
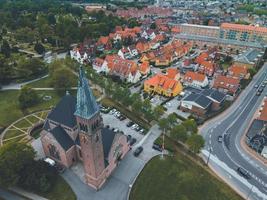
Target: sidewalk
<point>26,194</point>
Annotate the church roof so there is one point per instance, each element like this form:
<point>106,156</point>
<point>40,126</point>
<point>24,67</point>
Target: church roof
<point>62,137</point>
<point>63,113</point>
<point>86,106</point>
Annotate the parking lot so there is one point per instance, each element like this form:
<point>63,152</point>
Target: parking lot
<point>121,125</point>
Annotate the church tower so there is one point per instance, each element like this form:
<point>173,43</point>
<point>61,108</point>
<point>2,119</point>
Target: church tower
<point>90,124</point>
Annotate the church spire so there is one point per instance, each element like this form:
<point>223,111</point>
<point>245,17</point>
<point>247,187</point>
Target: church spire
<point>86,106</point>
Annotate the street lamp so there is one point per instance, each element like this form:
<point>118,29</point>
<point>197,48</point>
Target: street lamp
<point>209,155</point>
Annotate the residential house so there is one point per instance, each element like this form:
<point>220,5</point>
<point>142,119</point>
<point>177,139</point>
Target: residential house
<point>97,65</point>
<point>207,67</point>
<point>173,73</point>
<point>144,68</point>
<point>142,47</point>
<point>195,79</point>
<point>239,72</point>
<point>163,85</point>
<point>227,85</point>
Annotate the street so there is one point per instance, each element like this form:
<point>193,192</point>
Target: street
<point>232,125</point>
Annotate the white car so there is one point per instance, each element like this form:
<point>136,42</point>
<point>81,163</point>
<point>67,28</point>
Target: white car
<point>112,111</point>
<point>134,126</point>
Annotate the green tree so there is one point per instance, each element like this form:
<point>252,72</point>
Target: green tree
<point>172,119</point>
<point>13,157</point>
<point>27,97</point>
<point>6,70</point>
<point>190,125</point>
<point>163,124</point>
<point>63,79</point>
<point>158,111</point>
<point>179,133</point>
<point>195,142</point>
<point>5,49</point>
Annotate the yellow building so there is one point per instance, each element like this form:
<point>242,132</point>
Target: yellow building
<point>163,85</point>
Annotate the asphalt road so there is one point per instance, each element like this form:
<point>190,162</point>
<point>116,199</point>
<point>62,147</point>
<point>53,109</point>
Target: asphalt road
<point>232,125</point>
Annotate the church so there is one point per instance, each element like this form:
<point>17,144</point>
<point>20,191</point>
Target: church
<point>74,132</point>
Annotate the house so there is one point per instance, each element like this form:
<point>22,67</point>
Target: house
<point>144,68</point>
<point>126,70</point>
<point>173,73</point>
<point>202,57</point>
<point>215,96</point>
<point>163,61</point>
<point>133,51</point>
<point>197,104</point>
<point>97,65</point>
<point>239,72</point>
<point>148,34</point>
<point>142,47</point>
<point>103,43</point>
<point>124,53</point>
<point>249,58</point>
<point>195,79</point>
<point>207,67</point>
<point>227,85</point>
<point>78,56</point>
<point>263,111</point>
<point>74,132</point>
<point>163,85</point>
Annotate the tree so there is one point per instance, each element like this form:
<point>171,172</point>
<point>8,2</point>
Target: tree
<point>163,124</point>
<point>30,67</point>
<point>195,142</point>
<point>62,79</point>
<point>5,49</point>
<point>28,97</point>
<point>13,157</point>
<point>172,119</point>
<point>190,125</point>
<point>252,71</point>
<point>153,26</point>
<point>39,48</point>
<point>158,111</point>
<point>6,70</point>
<point>179,133</point>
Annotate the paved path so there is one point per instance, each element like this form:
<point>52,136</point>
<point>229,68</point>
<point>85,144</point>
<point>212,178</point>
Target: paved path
<point>9,196</point>
<point>118,185</point>
<point>17,86</point>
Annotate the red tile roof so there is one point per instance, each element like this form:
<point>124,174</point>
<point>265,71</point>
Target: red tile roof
<point>263,115</point>
<point>237,71</point>
<point>227,83</point>
<point>194,76</point>
<point>172,73</point>
<point>243,27</point>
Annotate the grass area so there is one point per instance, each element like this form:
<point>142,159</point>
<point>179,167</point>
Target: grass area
<point>22,124</point>
<point>9,106</point>
<point>130,114</point>
<point>60,191</point>
<point>12,133</point>
<point>43,83</point>
<point>33,119</point>
<point>18,139</point>
<point>178,177</point>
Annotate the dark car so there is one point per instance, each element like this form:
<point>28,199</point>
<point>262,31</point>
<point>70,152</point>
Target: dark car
<point>260,89</point>
<point>243,172</point>
<point>121,118</point>
<point>157,147</point>
<point>129,124</point>
<point>132,141</point>
<point>129,137</point>
<point>220,138</point>
<point>138,151</point>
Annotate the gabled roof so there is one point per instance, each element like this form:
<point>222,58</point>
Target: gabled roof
<point>214,95</point>
<point>62,137</point>
<point>237,71</point>
<point>194,76</point>
<point>172,72</point>
<point>63,113</point>
<point>199,99</point>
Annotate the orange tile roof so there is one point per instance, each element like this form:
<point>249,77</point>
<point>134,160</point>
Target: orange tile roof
<point>263,115</point>
<point>144,67</point>
<point>237,71</point>
<point>208,65</point>
<point>175,30</point>
<point>162,81</point>
<point>172,72</point>
<point>194,76</point>
<point>243,27</point>
<point>202,57</point>
<point>103,40</point>
<point>228,83</point>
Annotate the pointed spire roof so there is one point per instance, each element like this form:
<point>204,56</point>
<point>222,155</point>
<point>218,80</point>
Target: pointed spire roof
<point>86,106</point>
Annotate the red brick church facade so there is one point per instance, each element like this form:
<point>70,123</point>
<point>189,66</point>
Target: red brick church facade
<point>74,132</point>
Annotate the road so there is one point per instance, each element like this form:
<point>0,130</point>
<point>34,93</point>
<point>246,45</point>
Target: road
<point>229,155</point>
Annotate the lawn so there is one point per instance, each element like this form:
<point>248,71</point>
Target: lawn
<point>178,178</point>
<point>9,106</point>
<point>61,191</point>
<point>43,83</point>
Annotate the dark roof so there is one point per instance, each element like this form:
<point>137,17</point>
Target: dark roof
<point>107,140</point>
<point>62,137</point>
<point>256,128</point>
<point>214,95</point>
<point>199,99</point>
<point>63,113</point>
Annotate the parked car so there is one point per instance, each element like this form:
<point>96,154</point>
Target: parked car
<point>157,147</point>
<point>112,111</point>
<point>260,89</point>
<point>258,93</point>
<point>142,131</point>
<point>122,118</point>
<point>256,86</point>
<point>132,141</point>
<point>129,124</point>
<point>129,137</point>
<point>134,126</point>
<point>220,138</point>
<point>138,151</point>
<point>243,172</point>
